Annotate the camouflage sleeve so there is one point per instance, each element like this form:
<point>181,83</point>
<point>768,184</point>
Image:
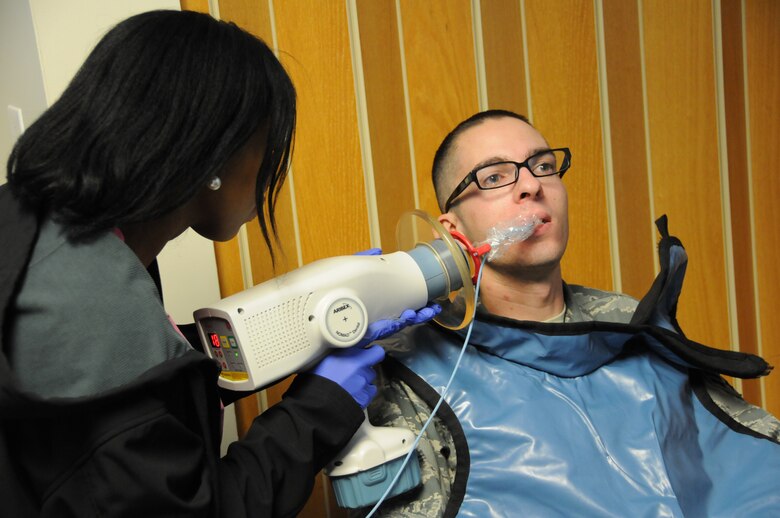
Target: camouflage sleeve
<point>397,405</point>
<point>750,416</point>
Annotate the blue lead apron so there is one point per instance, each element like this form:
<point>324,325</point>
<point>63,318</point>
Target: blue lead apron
<point>595,418</point>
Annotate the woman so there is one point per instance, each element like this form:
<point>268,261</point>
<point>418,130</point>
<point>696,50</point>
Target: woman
<point>174,121</point>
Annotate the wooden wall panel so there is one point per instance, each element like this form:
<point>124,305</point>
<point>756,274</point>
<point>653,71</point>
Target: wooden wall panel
<point>254,16</point>
<point>385,102</point>
<point>285,250</point>
<point>326,166</point>
<point>330,196</point>
<point>565,104</point>
<point>330,191</point>
<point>502,41</point>
<point>637,235</point>
<point>762,19</point>
<point>682,109</point>
<point>251,15</point>
<point>739,189</point>
<point>201,6</point>
<point>441,76</point>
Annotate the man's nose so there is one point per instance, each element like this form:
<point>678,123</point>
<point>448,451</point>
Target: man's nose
<point>527,185</point>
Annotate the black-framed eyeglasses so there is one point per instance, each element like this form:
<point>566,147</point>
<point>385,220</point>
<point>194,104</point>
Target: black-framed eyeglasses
<point>548,162</point>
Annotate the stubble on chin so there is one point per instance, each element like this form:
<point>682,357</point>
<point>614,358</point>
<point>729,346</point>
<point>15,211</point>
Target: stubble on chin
<point>530,265</point>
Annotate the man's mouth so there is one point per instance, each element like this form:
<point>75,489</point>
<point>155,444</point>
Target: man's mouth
<point>542,221</point>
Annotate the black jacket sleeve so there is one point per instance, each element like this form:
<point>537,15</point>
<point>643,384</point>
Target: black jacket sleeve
<point>153,450</point>
<point>286,447</point>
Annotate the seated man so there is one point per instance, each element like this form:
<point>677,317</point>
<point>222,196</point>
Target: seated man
<point>568,401</point>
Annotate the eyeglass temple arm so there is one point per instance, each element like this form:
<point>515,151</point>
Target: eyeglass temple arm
<point>459,189</point>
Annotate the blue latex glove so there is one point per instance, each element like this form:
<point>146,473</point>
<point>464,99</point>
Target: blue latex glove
<point>370,251</point>
<point>386,327</point>
<point>352,369</point>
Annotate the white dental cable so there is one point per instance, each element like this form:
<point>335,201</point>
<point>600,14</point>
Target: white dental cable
<point>413,450</point>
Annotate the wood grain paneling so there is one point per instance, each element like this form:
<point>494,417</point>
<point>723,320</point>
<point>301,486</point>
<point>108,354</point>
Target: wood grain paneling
<point>739,189</point>
<point>762,19</point>
<point>201,6</point>
<point>330,196</point>
<point>387,121</point>
<point>441,76</point>
<point>637,235</point>
<point>565,96</point>
<point>502,41</point>
<point>246,15</point>
<point>251,15</point>
<point>254,16</point>
<point>229,270</point>
<point>314,45</point>
<point>285,251</point>
<point>681,97</point>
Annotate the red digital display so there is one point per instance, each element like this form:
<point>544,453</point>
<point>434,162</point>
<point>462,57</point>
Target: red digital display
<point>215,340</point>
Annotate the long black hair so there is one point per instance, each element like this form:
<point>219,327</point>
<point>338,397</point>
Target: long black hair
<point>158,107</point>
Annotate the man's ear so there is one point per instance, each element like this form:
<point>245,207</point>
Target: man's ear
<point>449,221</point>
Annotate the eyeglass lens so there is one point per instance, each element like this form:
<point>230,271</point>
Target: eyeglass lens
<point>504,173</point>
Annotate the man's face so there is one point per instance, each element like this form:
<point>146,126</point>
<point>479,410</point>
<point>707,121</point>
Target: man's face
<point>477,211</point>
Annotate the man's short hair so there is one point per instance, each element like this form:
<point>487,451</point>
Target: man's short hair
<point>442,156</point>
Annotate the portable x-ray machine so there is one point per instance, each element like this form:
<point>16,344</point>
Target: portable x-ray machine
<point>287,324</point>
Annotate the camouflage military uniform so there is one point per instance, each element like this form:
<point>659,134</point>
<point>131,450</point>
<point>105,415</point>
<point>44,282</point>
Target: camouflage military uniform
<point>398,405</point>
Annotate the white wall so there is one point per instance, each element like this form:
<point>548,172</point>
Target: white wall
<point>67,31</point>
<point>42,45</point>
<point>22,82</point>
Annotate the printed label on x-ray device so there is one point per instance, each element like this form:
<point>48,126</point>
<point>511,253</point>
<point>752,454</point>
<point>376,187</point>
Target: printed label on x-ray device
<point>344,319</point>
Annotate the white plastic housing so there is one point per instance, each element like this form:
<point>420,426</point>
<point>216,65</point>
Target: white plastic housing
<point>288,323</point>
<point>369,447</point>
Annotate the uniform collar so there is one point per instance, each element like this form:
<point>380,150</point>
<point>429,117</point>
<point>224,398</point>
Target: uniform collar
<point>563,349</point>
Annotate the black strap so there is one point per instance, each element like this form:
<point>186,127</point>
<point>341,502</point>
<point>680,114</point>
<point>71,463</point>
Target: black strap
<point>699,381</point>
<point>154,271</point>
<point>397,370</point>
<point>662,283</point>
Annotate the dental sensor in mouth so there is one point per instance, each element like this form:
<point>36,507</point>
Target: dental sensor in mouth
<point>503,235</point>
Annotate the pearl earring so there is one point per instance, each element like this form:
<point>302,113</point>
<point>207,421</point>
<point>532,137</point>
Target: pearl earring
<point>214,183</point>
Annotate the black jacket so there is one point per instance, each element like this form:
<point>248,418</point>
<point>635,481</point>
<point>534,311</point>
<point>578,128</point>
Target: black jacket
<point>151,448</point>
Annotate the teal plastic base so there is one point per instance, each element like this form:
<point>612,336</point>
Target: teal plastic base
<point>367,487</point>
